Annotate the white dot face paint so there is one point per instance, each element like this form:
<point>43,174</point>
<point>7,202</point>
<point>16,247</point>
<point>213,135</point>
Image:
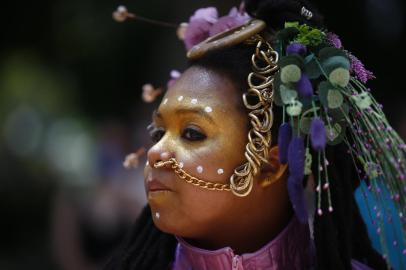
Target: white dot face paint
<point>208,109</point>
<point>220,171</point>
<point>181,165</point>
<point>180,98</point>
<point>157,215</point>
<point>193,101</point>
<point>165,101</point>
<point>199,169</point>
<point>164,156</point>
<point>147,163</point>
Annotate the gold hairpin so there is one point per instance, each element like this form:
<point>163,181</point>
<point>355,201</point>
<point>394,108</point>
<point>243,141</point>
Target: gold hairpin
<point>121,14</point>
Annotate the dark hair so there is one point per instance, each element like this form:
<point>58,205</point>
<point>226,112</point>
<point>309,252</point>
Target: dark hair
<point>339,236</point>
<point>276,12</point>
<point>146,247</point>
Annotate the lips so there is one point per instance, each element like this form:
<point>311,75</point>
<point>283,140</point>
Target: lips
<point>156,185</point>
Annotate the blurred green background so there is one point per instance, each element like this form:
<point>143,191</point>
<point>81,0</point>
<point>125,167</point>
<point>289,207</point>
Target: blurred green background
<point>71,109</point>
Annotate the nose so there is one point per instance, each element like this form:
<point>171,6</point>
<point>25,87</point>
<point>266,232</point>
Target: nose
<point>158,153</point>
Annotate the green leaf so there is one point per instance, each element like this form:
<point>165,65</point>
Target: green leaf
<point>311,68</point>
<point>288,95</point>
<point>340,113</point>
<point>294,108</point>
<point>334,98</point>
<point>324,87</point>
<point>309,36</point>
<point>292,24</point>
<point>328,52</point>
<point>335,133</point>
<point>292,59</point>
<point>334,62</point>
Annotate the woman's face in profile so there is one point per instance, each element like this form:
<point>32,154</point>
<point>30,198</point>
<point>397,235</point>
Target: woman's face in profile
<point>202,124</point>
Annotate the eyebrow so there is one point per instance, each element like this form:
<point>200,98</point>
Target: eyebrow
<point>198,110</point>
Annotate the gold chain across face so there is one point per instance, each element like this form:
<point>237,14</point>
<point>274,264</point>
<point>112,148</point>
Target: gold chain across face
<point>191,179</point>
<point>260,81</point>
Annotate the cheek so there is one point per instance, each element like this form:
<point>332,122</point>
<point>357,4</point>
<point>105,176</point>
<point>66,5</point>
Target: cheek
<point>205,208</point>
<point>214,160</point>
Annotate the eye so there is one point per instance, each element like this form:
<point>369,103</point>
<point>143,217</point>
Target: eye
<point>193,134</point>
<point>156,134</point>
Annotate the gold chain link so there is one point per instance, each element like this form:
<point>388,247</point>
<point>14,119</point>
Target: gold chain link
<point>191,179</point>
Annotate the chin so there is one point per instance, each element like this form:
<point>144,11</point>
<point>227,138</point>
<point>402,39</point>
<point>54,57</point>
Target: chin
<point>172,225</point>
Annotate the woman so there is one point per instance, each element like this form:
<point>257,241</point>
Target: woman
<point>217,200</point>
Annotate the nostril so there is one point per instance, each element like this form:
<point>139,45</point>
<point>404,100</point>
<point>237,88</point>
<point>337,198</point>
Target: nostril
<point>156,156</point>
<point>156,161</point>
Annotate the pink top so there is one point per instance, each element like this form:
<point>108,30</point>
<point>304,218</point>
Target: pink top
<point>291,249</point>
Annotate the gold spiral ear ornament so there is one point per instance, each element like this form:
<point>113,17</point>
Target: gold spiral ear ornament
<point>260,82</point>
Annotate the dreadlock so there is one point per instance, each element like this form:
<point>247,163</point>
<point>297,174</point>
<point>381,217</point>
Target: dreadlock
<point>339,236</point>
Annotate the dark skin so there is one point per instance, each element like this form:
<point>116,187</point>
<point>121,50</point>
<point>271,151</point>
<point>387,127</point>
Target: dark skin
<point>203,124</point>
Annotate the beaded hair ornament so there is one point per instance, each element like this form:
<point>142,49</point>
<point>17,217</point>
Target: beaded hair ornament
<point>321,89</point>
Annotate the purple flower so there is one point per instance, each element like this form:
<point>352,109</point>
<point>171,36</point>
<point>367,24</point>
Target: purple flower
<point>233,19</point>
<point>205,23</point>
<point>296,196</point>
<point>318,134</point>
<point>359,70</point>
<point>304,86</point>
<point>199,26</point>
<point>240,15</point>
<point>209,14</point>
<point>334,40</point>
<point>296,158</point>
<point>284,137</point>
<point>296,48</point>
<point>196,32</point>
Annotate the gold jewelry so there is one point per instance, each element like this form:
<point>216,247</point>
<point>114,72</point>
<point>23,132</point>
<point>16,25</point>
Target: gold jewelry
<point>191,179</point>
<point>260,80</point>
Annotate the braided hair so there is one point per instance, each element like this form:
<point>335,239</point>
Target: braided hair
<point>339,236</point>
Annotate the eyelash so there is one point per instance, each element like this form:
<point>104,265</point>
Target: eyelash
<point>189,134</point>
<point>156,134</point>
<point>194,134</point>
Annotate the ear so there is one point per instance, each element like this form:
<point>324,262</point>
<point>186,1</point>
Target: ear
<point>274,171</point>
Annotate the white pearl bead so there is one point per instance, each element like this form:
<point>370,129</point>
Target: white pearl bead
<point>208,109</point>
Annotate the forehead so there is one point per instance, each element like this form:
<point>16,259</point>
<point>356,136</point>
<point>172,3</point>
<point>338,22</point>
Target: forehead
<point>200,85</point>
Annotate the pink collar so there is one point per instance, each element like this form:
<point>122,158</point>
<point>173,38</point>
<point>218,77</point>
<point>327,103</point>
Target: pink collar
<point>291,249</point>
